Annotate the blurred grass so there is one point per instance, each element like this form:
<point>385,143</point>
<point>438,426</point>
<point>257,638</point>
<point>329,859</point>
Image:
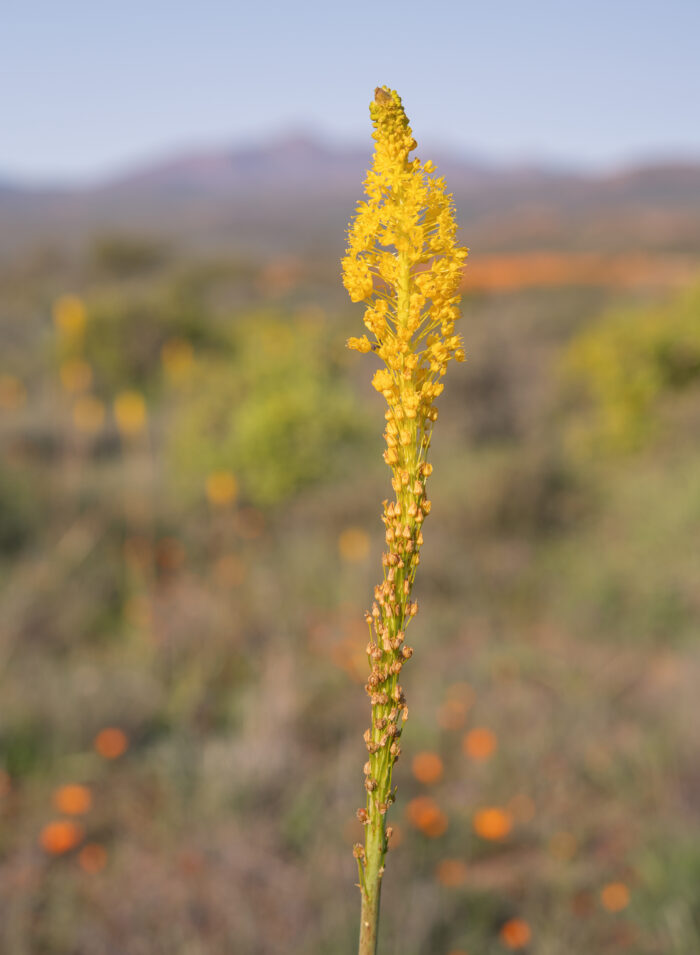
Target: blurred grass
<point>189,566</point>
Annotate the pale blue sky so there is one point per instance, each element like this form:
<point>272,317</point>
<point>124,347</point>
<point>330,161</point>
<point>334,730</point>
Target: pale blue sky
<point>89,87</point>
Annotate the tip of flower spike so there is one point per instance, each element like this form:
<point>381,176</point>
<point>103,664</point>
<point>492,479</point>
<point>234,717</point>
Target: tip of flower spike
<point>382,95</point>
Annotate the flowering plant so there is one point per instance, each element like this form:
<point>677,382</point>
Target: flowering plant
<point>404,262</point>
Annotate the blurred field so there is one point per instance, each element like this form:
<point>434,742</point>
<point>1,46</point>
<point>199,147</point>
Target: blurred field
<point>190,493</point>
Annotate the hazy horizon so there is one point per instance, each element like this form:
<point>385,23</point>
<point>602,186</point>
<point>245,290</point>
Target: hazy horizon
<point>184,148</point>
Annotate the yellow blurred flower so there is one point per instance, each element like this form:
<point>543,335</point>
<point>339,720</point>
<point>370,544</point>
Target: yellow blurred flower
<point>353,545</point>
<point>177,356</point>
<point>130,412</point>
<point>88,414</point>
<point>13,394</point>
<point>69,316</point>
<point>75,375</point>
<point>222,488</point>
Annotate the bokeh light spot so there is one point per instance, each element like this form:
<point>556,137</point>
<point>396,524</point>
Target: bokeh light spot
<point>515,933</point>
<point>615,896</point>
<point>72,799</point>
<point>427,767</point>
<point>222,488</point>
<point>60,836</point>
<point>492,823</point>
<point>111,742</point>
<point>480,744</point>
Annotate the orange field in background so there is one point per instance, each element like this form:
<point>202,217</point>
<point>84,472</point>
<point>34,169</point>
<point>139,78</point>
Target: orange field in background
<point>509,273</point>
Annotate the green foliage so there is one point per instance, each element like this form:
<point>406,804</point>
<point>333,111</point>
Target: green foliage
<point>124,256</point>
<point>125,335</point>
<point>21,511</point>
<point>278,414</point>
<point>626,365</point>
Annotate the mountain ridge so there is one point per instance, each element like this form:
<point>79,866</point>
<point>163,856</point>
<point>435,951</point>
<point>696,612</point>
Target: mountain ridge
<point>298,192</point>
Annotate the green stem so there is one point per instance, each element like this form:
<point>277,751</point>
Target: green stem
<point>371,889</point>
<point>381,761</point>
<point>369,924</point>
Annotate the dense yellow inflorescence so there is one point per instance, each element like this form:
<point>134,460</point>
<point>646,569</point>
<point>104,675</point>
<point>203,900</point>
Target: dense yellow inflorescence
<point>404,262</point>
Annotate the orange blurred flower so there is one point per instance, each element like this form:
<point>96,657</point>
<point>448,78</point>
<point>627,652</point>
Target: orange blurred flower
<point>222,488</point>
<point>73,799</point>
<point>479,744</point>
<point>515,933</point>
<point>451,872</point>
<point>615,896</point>
<point>92,858</point>
<point>353,545</point>
<point>427,767</point>
<point>424,813</point>
<point>492,823</point>
<point>111,742</point>
<point>60,836</point>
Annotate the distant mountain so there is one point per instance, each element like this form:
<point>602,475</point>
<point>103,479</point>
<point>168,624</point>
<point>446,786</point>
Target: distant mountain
<point>295,161</point>
<point>297,193</point>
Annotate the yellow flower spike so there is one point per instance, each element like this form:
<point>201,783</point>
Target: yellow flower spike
<point>404,263</point>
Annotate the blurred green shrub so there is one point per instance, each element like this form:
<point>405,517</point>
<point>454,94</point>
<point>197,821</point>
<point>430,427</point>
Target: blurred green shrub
<point>625,365</point>
<point>124,256</point>
<point>125,335</point>
<point>280,414</point>
<point>22,511</point>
